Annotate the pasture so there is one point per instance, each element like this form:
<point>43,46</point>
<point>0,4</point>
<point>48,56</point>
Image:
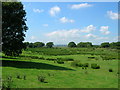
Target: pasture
<point>61,68</point>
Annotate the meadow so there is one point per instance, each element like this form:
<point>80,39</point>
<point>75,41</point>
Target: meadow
<point>61,67</point>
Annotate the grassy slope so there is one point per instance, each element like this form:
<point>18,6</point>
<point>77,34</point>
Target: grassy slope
<point>60,75</point>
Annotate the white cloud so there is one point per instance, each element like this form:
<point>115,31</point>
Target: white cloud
<point>88,29</point>
<point>90,35</point>
<point>45,25</point>
<point>72,32</point>
<point>54,10</point>
<point>64,33</point>
<point>78,6</point>
<point>38,10</point>
<point>65,20</point>
<point>104,30</point>
<point>113,15</point>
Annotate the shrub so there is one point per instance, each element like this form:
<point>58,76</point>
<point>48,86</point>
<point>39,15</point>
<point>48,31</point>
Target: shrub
<point>110,70</point>
<point>91,57</point>
<point>19,77</point>
<point>85,65</point>
<point>42,58</point>
<point>75,63</point>
<point>69,59</point>
<point>24,77</point>
<point>95,66</point>
<point>41,78</point>
<point>79,64</point>
<point>60,62</point>
<point>7,83</point>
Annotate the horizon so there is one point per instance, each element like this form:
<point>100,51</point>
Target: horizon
<point>64,22</point>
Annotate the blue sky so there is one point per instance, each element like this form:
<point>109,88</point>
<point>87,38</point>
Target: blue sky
<point>62,22</point>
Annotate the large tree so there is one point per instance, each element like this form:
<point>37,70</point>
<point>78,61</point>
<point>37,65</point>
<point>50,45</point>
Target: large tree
<point>105,45</point>
<point>49,44</point>
<point>71,44</point>
<point>13,28</point>
<point>38,44</point>
<point>84,44</point>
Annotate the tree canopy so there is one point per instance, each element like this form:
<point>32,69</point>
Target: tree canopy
<point>49,44</point>
<point>84,44</point>
<point>105,45</point>
<point>13,28</point>
<point>71,44</point>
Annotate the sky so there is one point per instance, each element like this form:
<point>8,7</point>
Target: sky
<point>63,22</point>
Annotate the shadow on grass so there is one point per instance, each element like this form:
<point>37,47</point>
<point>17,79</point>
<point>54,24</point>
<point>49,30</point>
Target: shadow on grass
<point>31,65</point>
<point>7,57</point>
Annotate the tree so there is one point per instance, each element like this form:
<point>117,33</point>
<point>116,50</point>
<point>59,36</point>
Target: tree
<point>105,45</point>
<point>26,44</point>
<point>39,44</point>
<point>13,28</point>
<point>71,44</point>
<point>84,44</point>
<point>49,44</point>
<point>115,45</point>
<point>31,45</point>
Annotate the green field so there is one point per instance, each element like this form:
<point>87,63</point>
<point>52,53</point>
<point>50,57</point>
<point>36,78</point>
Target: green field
<point>38,68</point>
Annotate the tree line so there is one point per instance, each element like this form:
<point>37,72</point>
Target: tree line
<point>38,44</point>
<point>114,45</point>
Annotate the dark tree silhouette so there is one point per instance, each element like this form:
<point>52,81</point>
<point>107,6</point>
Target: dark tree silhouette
<point>71,44</point>
<point>38,44</point>
<point>84,44</point>
<point>49,44</point>
<point>13,28</point>
<point>105,45</point>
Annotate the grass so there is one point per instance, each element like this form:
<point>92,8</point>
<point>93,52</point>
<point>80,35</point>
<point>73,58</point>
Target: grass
<point>31,65</point>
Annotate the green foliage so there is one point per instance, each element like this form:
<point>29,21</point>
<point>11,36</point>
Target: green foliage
<point>71,44</point>
<point>75,63</point>
<point>85,64</point>
<point>115,45</point>
<point>84,44</point>
<point>41,78</point>
<point>34,45</point>
<point>79,64</point>
<point>7,83</point>
<point>13,28</point>
<point>49,44</point>
<point>38,44</point>
<point>95,66</point>
<point>60,62</point>
<point>105,45</point>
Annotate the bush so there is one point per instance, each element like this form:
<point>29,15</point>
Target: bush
<point>75,63</point>
<point>41,78</point>
<point>7,83</point>
<point>79,64</point>
<point>91,57</point>
<point>95,66</point>
<point>60,62</point>
<point>110,70</point>
<point>19,76</point>
<point>85,65</point>
<point>69,59</point>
